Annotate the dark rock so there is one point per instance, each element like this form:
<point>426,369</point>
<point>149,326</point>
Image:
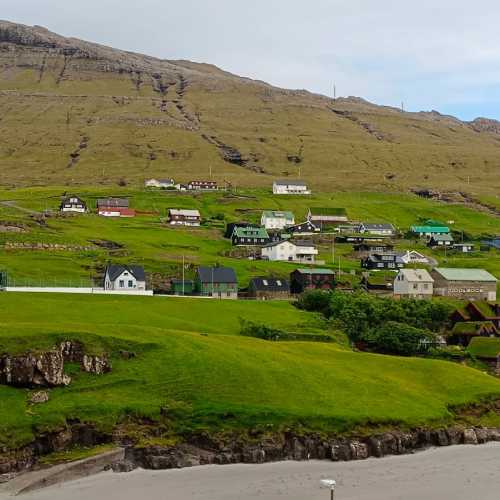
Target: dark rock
<point>123,466</point>
<point>470,436</point>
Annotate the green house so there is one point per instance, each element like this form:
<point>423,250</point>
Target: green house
<point>216,282</point>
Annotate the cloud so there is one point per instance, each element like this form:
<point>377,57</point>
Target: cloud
<point>431,54</point>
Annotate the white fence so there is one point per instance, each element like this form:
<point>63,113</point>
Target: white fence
<point>76,290</point>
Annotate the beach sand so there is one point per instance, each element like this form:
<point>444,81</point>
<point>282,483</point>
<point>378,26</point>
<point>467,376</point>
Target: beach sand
<point>457,473</point>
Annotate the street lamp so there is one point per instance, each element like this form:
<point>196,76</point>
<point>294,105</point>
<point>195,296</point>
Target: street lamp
<point>329,483</point>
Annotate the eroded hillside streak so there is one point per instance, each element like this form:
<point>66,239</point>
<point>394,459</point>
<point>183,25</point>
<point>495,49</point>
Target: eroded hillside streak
<point>367,127</point>
<point>228,153</point>
<point>42,68</point>
<point>181,88</point>
<point>74,157</point>
<point>63,70</point>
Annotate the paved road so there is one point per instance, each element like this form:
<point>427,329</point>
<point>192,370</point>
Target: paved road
<point>453,473</point>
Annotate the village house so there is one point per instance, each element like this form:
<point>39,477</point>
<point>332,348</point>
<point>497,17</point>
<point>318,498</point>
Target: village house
<point>250,236</point>
<point>413,257</point>
<point>230,227</point>
<point>217,282</point>
<point>383,260</point>
<point>269,289</point>
<point>290,187</point>
<point>184,217</point>
<point>465,284</point>
<point>478,312</point>
<point>272,219</point>
<point>73,204</point>
<point>440,240</point>
<point>124,278</point>
<point>288,251</point>
<point>464,247</point>
<point>413,284</point>
<point>429,228</point>
<point>160,183</point>
<point>491,244</point>
<point>114,207</point>
<point>365,249</point>
<point>322,217</point>
<point>306,228</point>
<point>302,280</point>
<point>380,229</point>
<point>202,186</point>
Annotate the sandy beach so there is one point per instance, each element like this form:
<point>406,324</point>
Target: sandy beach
<point>458,473</point>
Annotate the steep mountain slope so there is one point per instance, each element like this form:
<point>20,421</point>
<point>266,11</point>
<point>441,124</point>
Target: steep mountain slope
<point>77,112</point>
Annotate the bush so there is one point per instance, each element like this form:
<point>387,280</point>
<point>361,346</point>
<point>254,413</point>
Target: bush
<point>264,332</point>
<point>315,300</point>
<point>398,338</point>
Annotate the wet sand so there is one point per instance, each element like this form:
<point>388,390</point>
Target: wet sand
<point>457,473</point>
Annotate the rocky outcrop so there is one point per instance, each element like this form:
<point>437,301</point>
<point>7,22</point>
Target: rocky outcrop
<point>46,369</point>
<point>290,447</point>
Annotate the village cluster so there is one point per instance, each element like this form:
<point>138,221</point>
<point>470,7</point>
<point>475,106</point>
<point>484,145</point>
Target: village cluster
<point>279,237</point>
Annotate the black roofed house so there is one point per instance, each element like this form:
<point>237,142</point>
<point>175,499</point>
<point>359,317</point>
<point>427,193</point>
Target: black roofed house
<point>383,260</point>
<point>114,207</point>
<point>327,216</point>
<point>463,247</point>
<point>440,240</point>
<point>269,289</point>
<point>73,204</point>
<point>380,229</point>
<point>311,279</point>
<point>306,228</point>
<point>367,248</point>
<point>124,278</point>
<point>217,282</point>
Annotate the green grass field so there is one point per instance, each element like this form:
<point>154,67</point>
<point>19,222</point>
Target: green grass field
<point>191,359</point>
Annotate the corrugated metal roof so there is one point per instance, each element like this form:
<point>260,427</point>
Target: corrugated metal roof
<point>417,275</point>
<point>463,274</point>
<point>430,229</point>
<point>217,275</point>
<point>279,214</point>
<point>315,271</point>
<point>290,183</point>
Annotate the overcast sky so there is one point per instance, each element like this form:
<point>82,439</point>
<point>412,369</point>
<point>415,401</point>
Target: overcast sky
<point>431,54</point>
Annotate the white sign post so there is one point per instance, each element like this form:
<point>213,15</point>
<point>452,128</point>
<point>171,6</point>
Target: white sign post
<point>330,483</point>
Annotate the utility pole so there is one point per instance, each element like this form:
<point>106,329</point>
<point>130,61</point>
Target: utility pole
<point>183,281</point>
<point>402,107</point>
<point>333,250</point>
<point>334,92</point>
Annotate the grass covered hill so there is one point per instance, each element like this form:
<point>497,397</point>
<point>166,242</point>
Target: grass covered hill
<point>190,359</point>
<point>117,115</point>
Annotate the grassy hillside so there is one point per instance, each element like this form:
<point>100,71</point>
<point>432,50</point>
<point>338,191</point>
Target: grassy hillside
<point>116,115</point>
<point>191,360</point>
<point>148,241</point>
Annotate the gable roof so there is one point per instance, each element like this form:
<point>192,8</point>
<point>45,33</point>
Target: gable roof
<point>290,182</point>
<point>276,243</point>
<point>270,284</point>
<point>250,232</point>
<point>461,274</point>
<point>430,229</point>
<point>115,270</point>
<point>315,271</point>
<point>341,212</point>
<point>278,214</point>
<point>442,237</point>
<point>494,243</point>
<point>417,275</point>
<point>217,275</point>
<point>67,199</point>
<point>473,328</point>
<point>184,212</point>
<point>304,243</point>
<point>113,202</point>
<point>377,226</point>
<point>307,223</point>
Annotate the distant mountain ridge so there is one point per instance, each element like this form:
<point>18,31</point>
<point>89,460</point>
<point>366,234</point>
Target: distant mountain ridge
<point>78,112</point>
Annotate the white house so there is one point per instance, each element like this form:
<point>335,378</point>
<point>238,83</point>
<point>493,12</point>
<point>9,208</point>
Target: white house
<point>272,219</point>
<point>73,204</point>
<point>160,183</point>
<point>413,284</point>
<point>413,257</point>
<point>378,229</point>
<point>124,278</point>
<point>299,251</point>
<point>290,187</point>
<point>183,217</point>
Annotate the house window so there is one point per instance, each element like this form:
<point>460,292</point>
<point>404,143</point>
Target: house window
<point>426,286</point>
<point>228,294</point>
<point>122,284</point>
<point>130,284</point>
<point>415,286</point>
